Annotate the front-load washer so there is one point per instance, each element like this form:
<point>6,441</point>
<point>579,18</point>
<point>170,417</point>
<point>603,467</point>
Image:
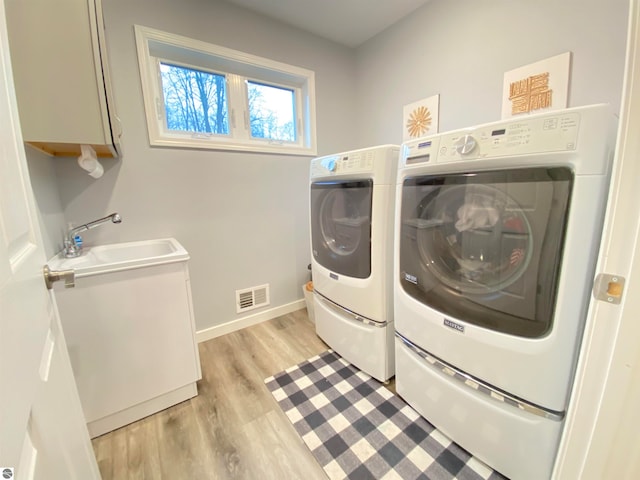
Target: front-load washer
<point>497,232</point>
<point>351,214</point>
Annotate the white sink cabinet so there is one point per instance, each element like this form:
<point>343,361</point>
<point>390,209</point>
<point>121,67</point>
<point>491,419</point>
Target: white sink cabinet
<point>130,330</point>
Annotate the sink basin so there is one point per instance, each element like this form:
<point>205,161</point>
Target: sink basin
<point>121,256</point>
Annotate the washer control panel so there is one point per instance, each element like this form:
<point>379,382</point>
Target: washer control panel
<point>549,133</point>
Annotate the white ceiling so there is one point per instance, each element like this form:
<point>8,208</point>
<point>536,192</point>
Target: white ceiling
<point>349,22</point>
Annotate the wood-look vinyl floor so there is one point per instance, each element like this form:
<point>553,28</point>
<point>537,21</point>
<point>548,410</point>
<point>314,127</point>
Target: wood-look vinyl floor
<point>233,429</point>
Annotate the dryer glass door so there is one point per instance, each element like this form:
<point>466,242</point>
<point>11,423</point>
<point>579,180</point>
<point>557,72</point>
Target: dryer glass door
<point>341,226</point>
<point>486,247</point>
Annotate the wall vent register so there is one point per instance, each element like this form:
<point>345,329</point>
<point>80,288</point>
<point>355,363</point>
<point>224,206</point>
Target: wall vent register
<point>251,298</point>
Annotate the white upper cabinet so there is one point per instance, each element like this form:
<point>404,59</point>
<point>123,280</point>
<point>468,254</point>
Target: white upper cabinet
<point>61,74</point>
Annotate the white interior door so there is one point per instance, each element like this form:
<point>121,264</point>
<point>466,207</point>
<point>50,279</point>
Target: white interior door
<point>42,430</point>
<point>601,435</point>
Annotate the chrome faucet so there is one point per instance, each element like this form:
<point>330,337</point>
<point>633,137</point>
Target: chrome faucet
<point>71,249</point>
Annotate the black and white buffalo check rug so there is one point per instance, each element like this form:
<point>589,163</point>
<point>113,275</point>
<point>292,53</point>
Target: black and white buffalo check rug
<point>357,429</point>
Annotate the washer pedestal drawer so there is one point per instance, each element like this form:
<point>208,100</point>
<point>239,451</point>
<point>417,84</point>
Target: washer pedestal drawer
<point>514,442</point>
<point>368,347</point>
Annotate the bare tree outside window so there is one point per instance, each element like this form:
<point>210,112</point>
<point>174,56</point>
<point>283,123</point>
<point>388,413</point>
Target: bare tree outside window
<point>195,101</point>
<point>271,111</point>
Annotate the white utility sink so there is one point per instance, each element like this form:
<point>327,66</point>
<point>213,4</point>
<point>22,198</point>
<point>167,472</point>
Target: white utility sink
<point>121,256</point>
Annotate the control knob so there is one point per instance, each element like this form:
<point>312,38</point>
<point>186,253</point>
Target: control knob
<point>331,165</point>
<point>465,145</point>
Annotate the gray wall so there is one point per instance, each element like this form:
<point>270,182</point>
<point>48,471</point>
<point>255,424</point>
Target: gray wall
<point>243,217</point>
<point>42,171</point>
<point>460,49</point>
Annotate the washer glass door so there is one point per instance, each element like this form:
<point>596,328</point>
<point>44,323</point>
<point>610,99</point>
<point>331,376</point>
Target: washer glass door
<point>341,226</point>
<point>486,247</point>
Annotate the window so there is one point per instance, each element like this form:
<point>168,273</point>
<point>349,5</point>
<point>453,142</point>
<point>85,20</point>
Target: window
<point>194,100</point>
<point>271,112</point>
<point>198,95</point>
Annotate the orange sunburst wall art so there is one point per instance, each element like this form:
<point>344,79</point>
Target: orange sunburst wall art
<point>420,118</point>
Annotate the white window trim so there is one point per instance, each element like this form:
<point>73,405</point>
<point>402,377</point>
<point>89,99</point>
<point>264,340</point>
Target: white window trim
<point>302,80</point>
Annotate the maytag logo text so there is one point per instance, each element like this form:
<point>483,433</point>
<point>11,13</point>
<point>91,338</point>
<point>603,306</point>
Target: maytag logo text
<point>454,325</point>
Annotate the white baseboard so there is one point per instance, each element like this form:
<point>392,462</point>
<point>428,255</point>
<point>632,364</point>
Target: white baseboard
<point>233,325</point>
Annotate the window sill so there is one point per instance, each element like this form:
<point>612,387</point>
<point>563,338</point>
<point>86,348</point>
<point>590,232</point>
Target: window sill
<point>205,144</point>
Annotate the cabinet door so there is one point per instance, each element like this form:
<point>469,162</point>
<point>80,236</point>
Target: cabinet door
<point>61,76</point>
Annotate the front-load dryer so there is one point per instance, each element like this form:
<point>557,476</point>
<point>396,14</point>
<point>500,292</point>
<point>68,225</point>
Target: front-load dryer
<point>351,214</point>
<point>497,233</point>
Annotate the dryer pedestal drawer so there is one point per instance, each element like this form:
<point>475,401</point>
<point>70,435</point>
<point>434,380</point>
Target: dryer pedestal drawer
<point>516,443</point>
<point>368,347</point>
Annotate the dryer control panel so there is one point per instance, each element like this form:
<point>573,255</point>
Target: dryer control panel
<point>379,162</point>
<point>548,133</point>
<point>353,162</point>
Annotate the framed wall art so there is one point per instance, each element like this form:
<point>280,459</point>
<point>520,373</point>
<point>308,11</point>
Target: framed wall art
<point>420,118</point>
<point>537,87</point>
